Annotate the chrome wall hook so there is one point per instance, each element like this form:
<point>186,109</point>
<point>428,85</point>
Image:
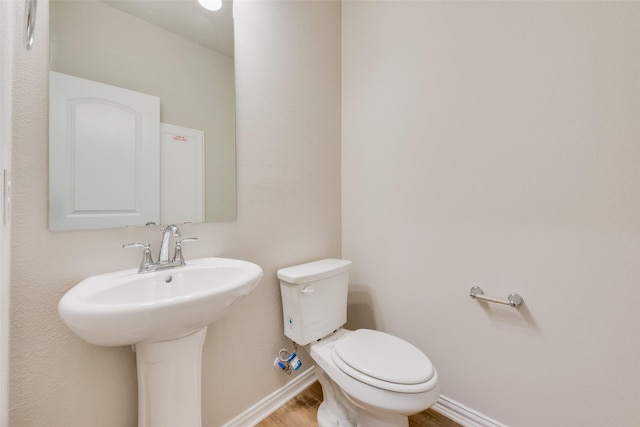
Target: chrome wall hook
<point>514,300</point>
<point>30,7</point>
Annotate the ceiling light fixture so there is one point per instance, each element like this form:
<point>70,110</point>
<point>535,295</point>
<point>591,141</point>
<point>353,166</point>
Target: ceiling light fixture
<point>211,4</point>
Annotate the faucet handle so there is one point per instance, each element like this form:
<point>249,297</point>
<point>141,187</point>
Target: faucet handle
<point>136,245</point>
<point>177,256</point>
<point>146,255</point>
<point>186,240</point>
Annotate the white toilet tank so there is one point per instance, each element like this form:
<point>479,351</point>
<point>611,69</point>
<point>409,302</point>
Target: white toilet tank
<point>314,298</point>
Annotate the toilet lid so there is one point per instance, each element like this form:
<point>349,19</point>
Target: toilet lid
<point>384,357</point>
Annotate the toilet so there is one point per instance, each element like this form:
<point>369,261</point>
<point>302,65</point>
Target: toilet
<point>369,378</point>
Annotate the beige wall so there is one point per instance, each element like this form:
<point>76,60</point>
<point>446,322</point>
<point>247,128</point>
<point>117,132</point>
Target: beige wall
<point>92,40</point>
<point>6,101</point>
<point>288,144</point>
<point>497,144</point>
<point>483,143</point>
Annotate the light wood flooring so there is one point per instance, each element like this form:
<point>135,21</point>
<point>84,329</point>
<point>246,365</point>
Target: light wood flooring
<point>301,412</point>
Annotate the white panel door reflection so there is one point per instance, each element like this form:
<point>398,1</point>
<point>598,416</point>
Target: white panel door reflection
<point>104,156</point>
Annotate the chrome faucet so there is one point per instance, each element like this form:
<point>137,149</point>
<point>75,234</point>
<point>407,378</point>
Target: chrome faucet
<point>168,232</point>
<point>164,262</point>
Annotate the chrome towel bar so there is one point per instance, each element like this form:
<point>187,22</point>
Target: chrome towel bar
<point>514,300</point>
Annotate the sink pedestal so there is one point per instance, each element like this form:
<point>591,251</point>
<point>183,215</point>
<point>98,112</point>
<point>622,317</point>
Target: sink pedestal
<point>169,381</point>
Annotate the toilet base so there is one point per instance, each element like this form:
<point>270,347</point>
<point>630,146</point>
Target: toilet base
<point>334,409</point>
<point>337,409</point>
<point>367,419</point>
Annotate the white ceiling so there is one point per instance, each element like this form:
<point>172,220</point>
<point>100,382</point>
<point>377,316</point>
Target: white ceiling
<point>212,29</point>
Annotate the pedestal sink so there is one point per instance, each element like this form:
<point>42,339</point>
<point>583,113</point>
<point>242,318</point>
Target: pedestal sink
<point>164,315</point>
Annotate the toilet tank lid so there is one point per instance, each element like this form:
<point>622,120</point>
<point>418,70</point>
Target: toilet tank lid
<point>311,271</point>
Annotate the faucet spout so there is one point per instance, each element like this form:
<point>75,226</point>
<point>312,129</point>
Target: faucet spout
<point>169,232</point>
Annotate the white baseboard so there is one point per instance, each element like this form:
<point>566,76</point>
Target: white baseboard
<point>275,400</point>
<point>446,406</point>
<point>463,415</point>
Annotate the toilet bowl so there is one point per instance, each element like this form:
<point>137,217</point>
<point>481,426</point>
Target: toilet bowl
<point>369,378</point>
<point>361,396</point>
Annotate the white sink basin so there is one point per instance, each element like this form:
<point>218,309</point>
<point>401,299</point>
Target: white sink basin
<point>126,307</point>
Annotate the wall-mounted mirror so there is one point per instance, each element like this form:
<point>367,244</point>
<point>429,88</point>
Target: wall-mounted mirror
<point>170,49</point>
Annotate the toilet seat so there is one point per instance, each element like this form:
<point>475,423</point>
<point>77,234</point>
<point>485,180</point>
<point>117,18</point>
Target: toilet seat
<point>383,361</point>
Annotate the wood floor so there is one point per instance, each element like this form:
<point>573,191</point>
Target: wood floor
<point>301,412</point>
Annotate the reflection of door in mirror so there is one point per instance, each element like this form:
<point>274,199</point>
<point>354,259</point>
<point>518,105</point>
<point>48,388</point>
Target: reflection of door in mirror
<point>181,174</point>
<point>98,41</point>
<point>104,168</point>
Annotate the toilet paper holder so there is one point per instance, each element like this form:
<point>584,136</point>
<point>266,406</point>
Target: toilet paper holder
<point>513,300</point>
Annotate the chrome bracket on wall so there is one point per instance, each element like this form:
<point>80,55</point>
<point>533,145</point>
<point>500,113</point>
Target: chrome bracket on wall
<point>514,300</point>
<point>30,7</point>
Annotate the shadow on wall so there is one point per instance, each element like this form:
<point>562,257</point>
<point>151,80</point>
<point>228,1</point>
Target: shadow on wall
<point>519,318</point>
<point>360,308</point>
